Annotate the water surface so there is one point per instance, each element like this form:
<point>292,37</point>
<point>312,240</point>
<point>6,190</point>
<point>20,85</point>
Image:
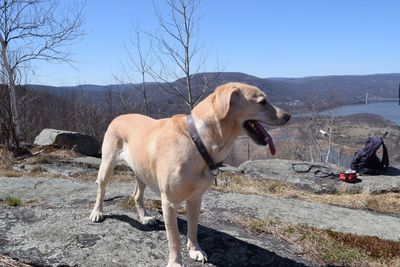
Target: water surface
<point>388,110</point>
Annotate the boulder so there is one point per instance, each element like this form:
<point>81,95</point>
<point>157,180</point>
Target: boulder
<point>230,169</point>
<point>79,142</point>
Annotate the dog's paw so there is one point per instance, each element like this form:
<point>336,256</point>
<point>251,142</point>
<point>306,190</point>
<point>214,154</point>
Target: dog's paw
<point>96,216</point>
<point>148,220</point>
<point>198,255</point>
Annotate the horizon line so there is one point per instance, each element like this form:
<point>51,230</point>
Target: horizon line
<point>225,72</point>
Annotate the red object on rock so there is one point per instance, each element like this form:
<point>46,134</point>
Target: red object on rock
<point>348,176</point>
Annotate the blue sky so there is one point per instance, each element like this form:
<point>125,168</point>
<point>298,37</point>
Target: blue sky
<point>265,38</point>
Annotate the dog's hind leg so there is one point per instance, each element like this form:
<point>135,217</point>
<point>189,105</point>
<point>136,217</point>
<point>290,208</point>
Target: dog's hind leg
<point>138,197</point>
<point>105,171</point>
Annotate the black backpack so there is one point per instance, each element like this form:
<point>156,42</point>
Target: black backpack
<point>365,160</point>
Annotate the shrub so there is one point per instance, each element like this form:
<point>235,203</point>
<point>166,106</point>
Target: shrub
<point>13,201</point>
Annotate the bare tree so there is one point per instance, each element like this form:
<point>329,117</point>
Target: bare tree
<point>319,131</point>
<point>330,125</point>
<point>310,129</point>
<point>139,62</point>
<point>32,30</point>
<point>178,42</point>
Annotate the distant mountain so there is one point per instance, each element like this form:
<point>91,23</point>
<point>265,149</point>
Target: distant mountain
<point>351,86</point>
<point>284,91</point>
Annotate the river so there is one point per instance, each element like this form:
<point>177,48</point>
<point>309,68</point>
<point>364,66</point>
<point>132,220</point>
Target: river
<point>388,110</point>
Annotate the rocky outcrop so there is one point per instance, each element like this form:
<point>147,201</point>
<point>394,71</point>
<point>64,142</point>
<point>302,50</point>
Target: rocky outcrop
<point>281,170</point>
<point>56,230</point>
<point>53,227</point>
<point>79,142</point>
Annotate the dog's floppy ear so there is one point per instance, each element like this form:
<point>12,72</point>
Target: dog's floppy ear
<point>223,101</point>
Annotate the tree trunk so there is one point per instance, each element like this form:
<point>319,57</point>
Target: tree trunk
<point>13,95</point>
<point>189,88</point>
<point>330,140</point>
<point>328,153</point>
<point>187,58</point>
<point>187,73</point>
<point>14,111</point>
<point>146,107</point>
<point>311,153</point>
<point>188,79</point>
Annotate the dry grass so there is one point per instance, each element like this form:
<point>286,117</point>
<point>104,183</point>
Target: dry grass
<point>6,159</point>
<point>127,203</point>
<point>150,204</point>
<point>48,155</point>
<point>386,203</point>
<point>122,176</point>
<point>11,173</point>
<point>326,247</point>
<point>88,176</point>
<point>39,159</point>
<point>228,182</point>
<point>119,176</point>
<point>7,162</point>
<point>12,201</point>
<point>36,170</point>
<point>64,154</point>
<point>33,203</point>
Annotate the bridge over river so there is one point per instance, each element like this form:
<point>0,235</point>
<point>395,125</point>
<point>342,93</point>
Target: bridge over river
<point>369,98</point>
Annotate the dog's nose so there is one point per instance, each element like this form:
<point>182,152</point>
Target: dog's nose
<point>287,116</point>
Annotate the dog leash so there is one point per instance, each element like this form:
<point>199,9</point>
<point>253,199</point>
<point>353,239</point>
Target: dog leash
<point>194,134</point>
<point>321,171</point>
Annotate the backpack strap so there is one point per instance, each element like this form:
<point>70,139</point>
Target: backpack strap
<point>355,161</point>
<point>385,157</point>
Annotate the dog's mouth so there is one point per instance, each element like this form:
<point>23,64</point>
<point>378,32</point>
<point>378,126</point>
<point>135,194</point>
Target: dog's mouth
<point>259,135</point>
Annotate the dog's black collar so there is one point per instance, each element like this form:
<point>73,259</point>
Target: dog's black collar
<point>194,134</point>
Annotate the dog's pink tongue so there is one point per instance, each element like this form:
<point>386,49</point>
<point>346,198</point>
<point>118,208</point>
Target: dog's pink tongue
<point>271,145</point>
<point>269,140</point>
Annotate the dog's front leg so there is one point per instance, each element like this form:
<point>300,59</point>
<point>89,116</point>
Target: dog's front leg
<point>171,227</point>
<point>193,210</point>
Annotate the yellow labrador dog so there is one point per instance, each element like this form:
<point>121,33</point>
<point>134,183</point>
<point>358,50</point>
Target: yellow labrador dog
<point>163,155</point>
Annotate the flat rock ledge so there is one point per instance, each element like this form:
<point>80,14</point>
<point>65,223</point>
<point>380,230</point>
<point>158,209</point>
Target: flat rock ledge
<point>273,169</point>
<point>55,230</point>
<point>281,170</point>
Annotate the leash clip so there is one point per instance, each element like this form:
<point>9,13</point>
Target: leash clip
<point>215,172</point>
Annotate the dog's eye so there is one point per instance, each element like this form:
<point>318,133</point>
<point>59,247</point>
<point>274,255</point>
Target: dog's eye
<point>263,101</point>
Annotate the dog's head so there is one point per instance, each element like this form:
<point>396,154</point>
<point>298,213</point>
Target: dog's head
<point>248,107</point>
